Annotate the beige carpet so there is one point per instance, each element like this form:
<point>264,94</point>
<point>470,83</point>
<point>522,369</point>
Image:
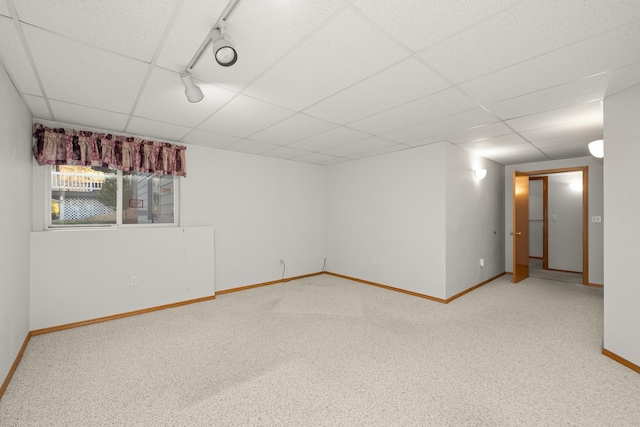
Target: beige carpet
<point>536,270</point>
<point>328,351</point>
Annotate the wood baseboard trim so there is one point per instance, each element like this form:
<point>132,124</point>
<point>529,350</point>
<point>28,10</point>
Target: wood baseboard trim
<point>118,316</point>
<point>257,285</point>
<point>415,294</point>
<point>5,384</point>
<point>564,271</point>
<point>621,360</point>
<point>536,257</point>
<point>595,285</point>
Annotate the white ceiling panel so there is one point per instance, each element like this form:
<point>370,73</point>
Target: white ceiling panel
<point>79,115</point>
<point>583,113</point>
<point>563,130</point>
<point>163,99</point>
<point>559,141</point>
<point>358,147</point>
<point>533,28</point>
<point>610,51</point>
<point>441,104</point>
<point>244,116</point>
<point>316,158</point>
<point>492,130</point>
<point>419,24</point>
<point>286,153</point>
<point>568,151</point>
<point>422,142</point>
<point>16,60</point>
<point>114,25</point>
<point>513,154</point>
<point>251,147</point>
<point>441,126</point>
<point>404,82</point>
<point>495,143</point>
<point>575,92</point>
<point>292,129</point>
<point>80,74</point>
<point>209,139</point>
<point>333,138</point>
<point>313,72</point>
<point>160,130</point>
<point>38,107</point>
<point>378,152</point>
<point>4,10</point>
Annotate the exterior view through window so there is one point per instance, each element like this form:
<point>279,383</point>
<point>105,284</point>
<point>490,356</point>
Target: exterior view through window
<point>94,196</point>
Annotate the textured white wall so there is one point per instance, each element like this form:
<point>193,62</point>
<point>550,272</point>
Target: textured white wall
<point>386,219</point>
<point>474,220</point>
<point>15,224</point>
<point>565,232</point>
<point>622,228</point>
<point>596,247</point>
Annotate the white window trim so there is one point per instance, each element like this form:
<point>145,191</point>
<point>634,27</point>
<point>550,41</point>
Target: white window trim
<point>118,224</point>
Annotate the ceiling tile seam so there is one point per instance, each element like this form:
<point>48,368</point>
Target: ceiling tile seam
<point>535,57</point>
<point>18,26</point>
<point>15,85</point>
<point>367,135</point>
<point>324,23</point>
<point>154,58</point>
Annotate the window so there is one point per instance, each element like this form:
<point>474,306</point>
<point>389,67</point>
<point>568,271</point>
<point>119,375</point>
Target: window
<point>96,196</point>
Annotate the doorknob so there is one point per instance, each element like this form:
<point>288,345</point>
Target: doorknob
<point>519,233</point>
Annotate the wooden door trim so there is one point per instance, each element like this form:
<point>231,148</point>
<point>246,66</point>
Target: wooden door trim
<point>585,211</point>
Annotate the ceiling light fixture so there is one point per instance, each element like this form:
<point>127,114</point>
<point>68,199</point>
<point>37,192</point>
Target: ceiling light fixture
<point>223,51</point>
<point>596,148</point>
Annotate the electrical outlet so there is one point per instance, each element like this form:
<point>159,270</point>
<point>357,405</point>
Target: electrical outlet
<point>134,280</point>
<point>374,261</point>
<point>238,263</point>
<point>481,262</point>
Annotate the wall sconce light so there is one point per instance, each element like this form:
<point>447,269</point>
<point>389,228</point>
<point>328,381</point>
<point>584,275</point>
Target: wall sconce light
<point>479,174</point>
<point>596,148</point>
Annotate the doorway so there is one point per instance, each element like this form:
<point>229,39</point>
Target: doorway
<point>544,221</point>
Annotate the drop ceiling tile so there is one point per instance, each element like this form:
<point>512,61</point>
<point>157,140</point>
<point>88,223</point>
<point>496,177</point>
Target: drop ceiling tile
<point>115,25</point>
<point>209,139</point>
<point>442,126</point>
<point>363,146</point>
<point>416,25</point>
<point>261,31</point>
<point>152,129</point>
<point>610,51</point>
<point>343,52</point>
<point>315,158</point>
<point>575,92</point>
<point>404,82</point>
<point>251,147</point>
<point>292,129</point>
<point>479,132</point>
<point>421,142</point>
<point>441,104</point>
<point>244,116</point>
<point>38,107</point>
<point>4,10</point>
<point>572,139</point>
<point>586,112</point>
<point>286,153</point>
<point>529,29</point>
<point>163,99</point>
<point>333,138</point>
<point>571,128</point>
<point>16,60</point>
<point>79,74</point>
<point>378,152</point>
<point>568,151</point>
<point>495,143</point>
<point>512,154</point>
<point>86,116</point>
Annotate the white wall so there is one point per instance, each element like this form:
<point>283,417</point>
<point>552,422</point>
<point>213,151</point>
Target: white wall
<point>262,209</point>
<point>565,222</point>
<point>536,218</point>
<point>622,228</point>
<point>86,274</point>
<point>15,224</point>
<point>474,220</point>
<point>596,247</point>
<point>416,220</point>
<point>385,219</point>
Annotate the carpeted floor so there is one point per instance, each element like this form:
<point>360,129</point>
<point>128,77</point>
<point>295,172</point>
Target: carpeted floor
<point>328,351</point>
<point>536,270</point>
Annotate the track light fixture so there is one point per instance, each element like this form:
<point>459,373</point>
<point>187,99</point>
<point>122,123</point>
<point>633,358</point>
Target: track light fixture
<point>193,92</point>
<point>223,51</point>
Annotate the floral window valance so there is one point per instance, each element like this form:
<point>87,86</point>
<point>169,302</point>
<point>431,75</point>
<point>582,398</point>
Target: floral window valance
<point>83,148</point>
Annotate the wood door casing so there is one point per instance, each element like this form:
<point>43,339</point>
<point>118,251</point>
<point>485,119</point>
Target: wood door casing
<point>520,226</point>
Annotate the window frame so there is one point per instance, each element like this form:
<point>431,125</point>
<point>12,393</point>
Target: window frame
<point>119,208</point>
